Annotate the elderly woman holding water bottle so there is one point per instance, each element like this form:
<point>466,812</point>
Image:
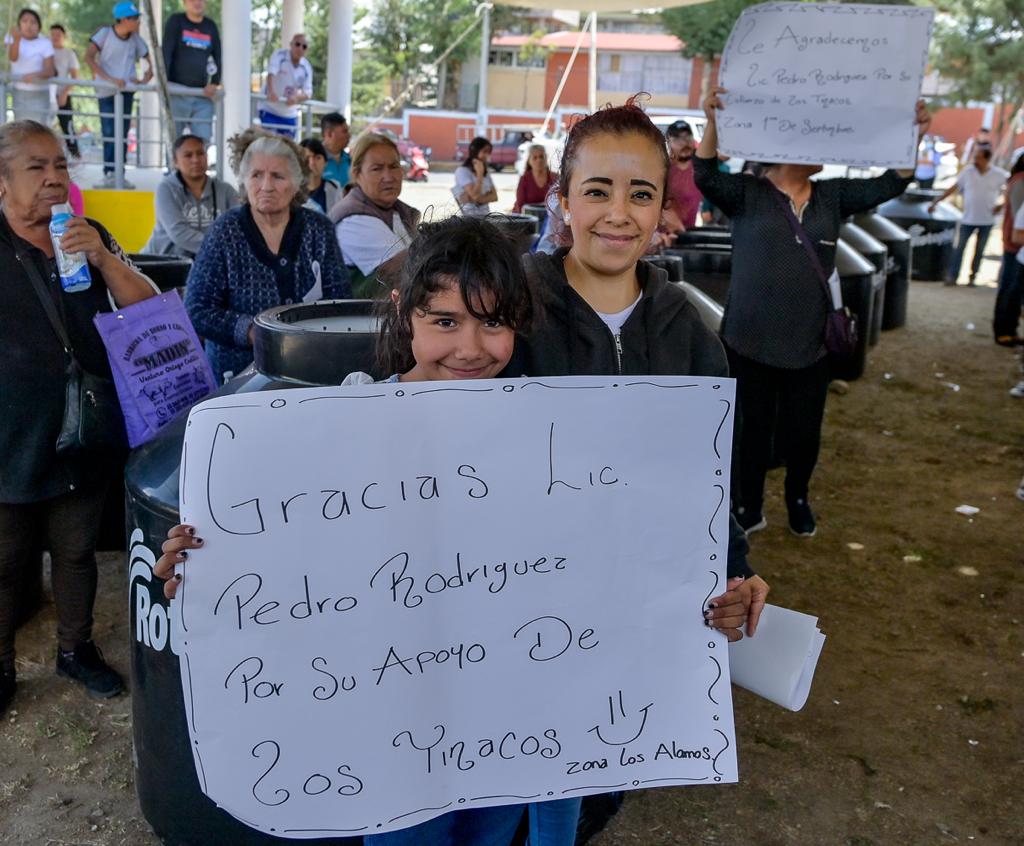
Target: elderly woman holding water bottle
<point>45,496</point>
<point>267,252</point>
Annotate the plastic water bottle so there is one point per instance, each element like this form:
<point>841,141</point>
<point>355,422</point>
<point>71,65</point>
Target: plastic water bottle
<point>72,267</point>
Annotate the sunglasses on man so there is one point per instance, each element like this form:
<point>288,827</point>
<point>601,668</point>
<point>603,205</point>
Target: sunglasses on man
<point>301,44</point>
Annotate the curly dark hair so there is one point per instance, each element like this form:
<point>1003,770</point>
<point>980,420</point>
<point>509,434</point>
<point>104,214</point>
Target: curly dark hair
<point>476,252</point>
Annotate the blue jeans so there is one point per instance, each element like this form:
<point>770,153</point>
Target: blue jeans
<point>193,113</point>
<point>107,127</point>
<point>1008,298</point>
<point>966,230</point>
<point>471,827</point>
<point>554,823</point>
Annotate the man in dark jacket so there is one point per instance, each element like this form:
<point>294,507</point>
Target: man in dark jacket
<point>191,47</point>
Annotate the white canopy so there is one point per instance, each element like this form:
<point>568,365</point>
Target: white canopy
<point>597,5</point>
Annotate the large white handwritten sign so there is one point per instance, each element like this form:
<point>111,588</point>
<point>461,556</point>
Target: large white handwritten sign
<point>415,598</point>
<point>820,83</point>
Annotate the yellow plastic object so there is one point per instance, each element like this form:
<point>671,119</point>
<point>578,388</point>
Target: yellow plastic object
<point>129,215</point>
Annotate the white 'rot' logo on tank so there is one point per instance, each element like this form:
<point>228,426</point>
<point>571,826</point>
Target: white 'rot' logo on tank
<point>154,624</point>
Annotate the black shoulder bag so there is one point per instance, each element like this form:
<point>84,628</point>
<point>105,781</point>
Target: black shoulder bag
<point>92,411</point>
<point>840,323</point>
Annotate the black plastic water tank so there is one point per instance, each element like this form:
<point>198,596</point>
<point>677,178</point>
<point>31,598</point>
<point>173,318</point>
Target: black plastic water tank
<point>522,227</point>
<point>168,272</point>
<point>855,278</point>
<point>672,265</point>
<point>707,267</point>
<point>537,210</point>
<point>899,266</point>
<point>875,252</point>
<point>932,235</point>
<point>703,235</point>
<point>295,346</point>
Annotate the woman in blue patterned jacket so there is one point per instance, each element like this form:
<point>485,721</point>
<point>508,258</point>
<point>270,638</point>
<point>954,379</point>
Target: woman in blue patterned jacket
<point>267,252</point>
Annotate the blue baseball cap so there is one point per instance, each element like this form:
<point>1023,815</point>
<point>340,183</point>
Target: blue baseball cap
<point>126,9</point>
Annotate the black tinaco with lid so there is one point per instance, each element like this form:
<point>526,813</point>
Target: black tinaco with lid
<point>295,346</point>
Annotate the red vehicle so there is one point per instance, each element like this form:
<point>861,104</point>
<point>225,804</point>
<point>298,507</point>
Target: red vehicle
<point>503,151</point>
<point>415,159</point>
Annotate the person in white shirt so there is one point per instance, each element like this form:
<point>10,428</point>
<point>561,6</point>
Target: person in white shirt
<point>289,82</point>
<point>65,60</point>
<point>980,184</point>
<point>474,190</point>
<point>371,224</point>
<point>31,56</point>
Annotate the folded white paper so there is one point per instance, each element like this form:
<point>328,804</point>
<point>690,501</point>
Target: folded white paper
<point>778,663</point>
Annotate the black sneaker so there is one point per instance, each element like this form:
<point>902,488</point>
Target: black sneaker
<point>801,518</point>
<point>86,666</point>
<point>750,519</point>
<point>8,685</point>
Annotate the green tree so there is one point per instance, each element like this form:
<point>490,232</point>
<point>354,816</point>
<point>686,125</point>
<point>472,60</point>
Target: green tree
<point>978,47</point>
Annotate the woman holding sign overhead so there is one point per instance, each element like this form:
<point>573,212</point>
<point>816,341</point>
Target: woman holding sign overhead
<point>774,322</point>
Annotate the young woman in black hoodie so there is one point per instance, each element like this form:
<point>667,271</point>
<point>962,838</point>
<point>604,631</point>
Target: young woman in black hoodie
<point>602,311</point>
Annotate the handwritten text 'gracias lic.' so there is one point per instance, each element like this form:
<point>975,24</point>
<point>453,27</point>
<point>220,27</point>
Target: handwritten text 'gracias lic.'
<point>250,517</point>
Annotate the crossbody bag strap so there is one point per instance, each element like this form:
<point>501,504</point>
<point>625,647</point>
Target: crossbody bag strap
<point>40,288</point>
<point>801,236</point>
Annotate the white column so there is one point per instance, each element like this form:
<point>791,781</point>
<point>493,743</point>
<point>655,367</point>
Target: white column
<point>236,58</point>
<point>592,67</point>
<point>485,58</point>
<point>292,20</point>
<point>339,55</point>
<point>149,126</point>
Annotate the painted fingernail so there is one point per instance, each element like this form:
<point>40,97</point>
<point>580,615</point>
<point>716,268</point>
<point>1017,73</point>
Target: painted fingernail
<point>183,555</point>
<point>177,577</point>
<point>191,530</point>
<point>199,541</point>
<point>712,605</point>
<point>707,622</point>
<point>708,615</point>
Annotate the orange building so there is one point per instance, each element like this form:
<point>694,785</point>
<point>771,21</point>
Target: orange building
<point>524,71</point>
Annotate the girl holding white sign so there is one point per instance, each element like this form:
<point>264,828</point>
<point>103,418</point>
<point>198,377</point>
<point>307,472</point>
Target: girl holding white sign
<point>774,323</point>
<point>461,297</point>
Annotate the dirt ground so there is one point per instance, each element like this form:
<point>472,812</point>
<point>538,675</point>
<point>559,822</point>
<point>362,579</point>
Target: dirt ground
<point>912,734</point>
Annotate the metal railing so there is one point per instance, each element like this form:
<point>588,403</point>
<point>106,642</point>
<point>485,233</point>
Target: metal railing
<point>93,90</point>
<point>149,135</point>
<point>308,111</point>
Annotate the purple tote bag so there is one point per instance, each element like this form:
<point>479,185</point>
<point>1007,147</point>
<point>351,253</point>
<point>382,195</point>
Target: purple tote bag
<point>159,366</point>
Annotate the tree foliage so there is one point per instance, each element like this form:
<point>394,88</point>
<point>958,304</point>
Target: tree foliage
<point>704,28</point>
<point>978,47</point>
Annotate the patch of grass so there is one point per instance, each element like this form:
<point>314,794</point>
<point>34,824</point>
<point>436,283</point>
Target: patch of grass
<point>10,789</point>
<point>77,737</point>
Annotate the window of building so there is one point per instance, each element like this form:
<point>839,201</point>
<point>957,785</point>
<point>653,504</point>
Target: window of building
<point>656,73</point>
